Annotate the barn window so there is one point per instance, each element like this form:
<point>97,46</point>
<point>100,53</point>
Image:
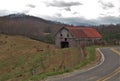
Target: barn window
<point>65,39</point>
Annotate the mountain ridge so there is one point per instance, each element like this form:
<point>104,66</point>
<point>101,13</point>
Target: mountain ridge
<point>26,25</point>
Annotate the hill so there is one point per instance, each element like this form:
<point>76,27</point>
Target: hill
<point>21,24</point>
<point>23,59</point>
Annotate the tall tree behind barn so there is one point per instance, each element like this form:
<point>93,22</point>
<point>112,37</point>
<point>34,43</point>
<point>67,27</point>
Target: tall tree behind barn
<point>76,37</point>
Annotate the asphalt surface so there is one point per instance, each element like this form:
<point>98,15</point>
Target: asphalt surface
<point>109,70</point>
<point>115,78</point>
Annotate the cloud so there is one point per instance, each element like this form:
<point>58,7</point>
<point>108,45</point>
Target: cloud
<point>58,15</point>
<point>7,12</point>
<point>67,9</point>
<point>31,6</point>
<point>72,20</point>
<point>83,21</point>
<point>4,12</point>
<point>25,11</point>
<point>75,13</point>
<point>63,4</point>
<point>107,5</point>
<point>119,10</point>
<point>108,20</point>
<point>77,21</point>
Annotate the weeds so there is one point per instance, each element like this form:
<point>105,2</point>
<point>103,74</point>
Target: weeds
<point>90,58</point>
<point>32,60</point>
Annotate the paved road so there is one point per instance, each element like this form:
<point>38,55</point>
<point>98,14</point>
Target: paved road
<point>109,70</point>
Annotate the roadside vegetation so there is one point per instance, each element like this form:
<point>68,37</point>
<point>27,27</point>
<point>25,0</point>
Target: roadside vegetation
<point>23,59</point>
<point>111,37</point>
<point>91,56</point>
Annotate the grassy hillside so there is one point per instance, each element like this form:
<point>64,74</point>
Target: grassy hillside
<point>23,59</point>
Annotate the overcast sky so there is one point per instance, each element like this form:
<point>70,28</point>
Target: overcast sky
<point>67,11</point>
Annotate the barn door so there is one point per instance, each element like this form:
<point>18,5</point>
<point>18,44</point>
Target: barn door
<point>64,44</point>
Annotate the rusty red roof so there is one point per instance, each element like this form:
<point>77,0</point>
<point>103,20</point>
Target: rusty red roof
<point>83,32</point>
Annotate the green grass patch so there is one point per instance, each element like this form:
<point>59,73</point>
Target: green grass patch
<point>91,57</point>
<point>92,53</point>
<point>42,76</point>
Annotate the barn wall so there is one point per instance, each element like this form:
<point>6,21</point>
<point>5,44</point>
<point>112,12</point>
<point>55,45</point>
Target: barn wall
<point>61,35</point>
<point>90,41</point>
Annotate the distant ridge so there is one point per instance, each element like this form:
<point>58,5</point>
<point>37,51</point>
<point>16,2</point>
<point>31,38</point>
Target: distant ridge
<point>22,24</point>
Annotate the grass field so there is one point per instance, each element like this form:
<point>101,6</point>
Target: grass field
<point>23,59</point>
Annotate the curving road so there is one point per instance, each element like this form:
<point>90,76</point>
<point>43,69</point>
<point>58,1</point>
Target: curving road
<point>109,70</point>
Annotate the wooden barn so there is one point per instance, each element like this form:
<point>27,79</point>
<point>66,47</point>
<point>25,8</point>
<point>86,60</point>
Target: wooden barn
<point>76,37</point>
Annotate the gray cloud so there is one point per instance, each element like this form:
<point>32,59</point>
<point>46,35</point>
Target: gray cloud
<point>83,21</point>
<point>119,10</point>
<point>58,15</point>
<point>105,6</point>
<point>75,13</point>
<point>7,12</point>
<point>25,11</point>
<point>108,20</point>
<point>101,14</point>
<point>63,4</point>
<point>4,12</point>
<point>106,14</point>
<point>72,20</point>
<point>67,9</point>
<point>31,5</point>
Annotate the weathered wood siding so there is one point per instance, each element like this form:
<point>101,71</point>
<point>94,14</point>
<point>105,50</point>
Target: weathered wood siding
<point>60,37</point>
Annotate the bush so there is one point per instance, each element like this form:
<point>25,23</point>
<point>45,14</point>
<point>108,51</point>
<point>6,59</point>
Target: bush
<point>49,38</point>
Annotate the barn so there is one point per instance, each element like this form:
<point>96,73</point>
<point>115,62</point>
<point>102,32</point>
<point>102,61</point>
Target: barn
<point>69,36</point>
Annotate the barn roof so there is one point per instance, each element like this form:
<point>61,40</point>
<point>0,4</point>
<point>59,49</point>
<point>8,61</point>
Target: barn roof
<point>82,32</point>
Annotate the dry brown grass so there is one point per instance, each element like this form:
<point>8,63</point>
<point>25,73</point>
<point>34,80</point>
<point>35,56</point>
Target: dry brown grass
<point>23,59</point>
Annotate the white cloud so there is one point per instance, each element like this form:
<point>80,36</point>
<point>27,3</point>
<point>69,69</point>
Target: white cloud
<point>12,5</point>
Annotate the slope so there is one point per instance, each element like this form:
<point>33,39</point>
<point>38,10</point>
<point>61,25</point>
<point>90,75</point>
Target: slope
<point>23,59</point>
